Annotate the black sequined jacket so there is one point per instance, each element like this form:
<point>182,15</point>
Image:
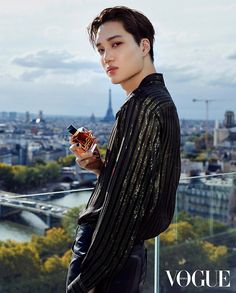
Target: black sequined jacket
<point>134,198</point>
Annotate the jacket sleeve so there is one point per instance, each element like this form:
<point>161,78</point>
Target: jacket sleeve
<point>126,197</point>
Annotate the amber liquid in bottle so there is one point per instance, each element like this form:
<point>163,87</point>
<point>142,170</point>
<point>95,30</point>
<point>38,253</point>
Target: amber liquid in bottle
<point>84,138</point>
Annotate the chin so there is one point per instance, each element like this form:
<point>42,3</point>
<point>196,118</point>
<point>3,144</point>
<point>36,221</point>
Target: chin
<point>115,80</point>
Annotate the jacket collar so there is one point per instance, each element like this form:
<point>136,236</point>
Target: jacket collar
<point>152,78</point>
<point>149,79</point>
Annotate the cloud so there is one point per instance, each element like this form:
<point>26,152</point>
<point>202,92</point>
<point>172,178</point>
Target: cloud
<point>60,98</point>
<point>55,65</point>
<point>232,56</point>
<point>223,81</point>
<point>53,32</point>
<point>31,75</point>
<point>54,60</point>
<point>178,73</point>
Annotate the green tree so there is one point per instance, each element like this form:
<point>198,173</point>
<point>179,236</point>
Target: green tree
<point>19,178</point>
<point>52,170</point>
<point>67,161</point>
<point>22,178</point>
<point>201,225</point>
<point>102,150</point>
<point>55,242</point>
<point>15,256</point>
<point>182,247</point>
<point>69,221</point>
<point>5,172</point>
<point>38,266</point>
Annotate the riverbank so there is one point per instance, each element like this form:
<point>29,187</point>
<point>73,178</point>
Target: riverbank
<point>29,224</point>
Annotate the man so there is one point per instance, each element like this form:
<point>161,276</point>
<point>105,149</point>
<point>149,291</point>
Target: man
<point>134,197</point>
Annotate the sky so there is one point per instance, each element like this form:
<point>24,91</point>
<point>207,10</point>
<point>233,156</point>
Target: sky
<point>48,64</point>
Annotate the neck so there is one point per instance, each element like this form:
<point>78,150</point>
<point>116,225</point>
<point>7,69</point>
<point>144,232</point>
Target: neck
<point>130,85</point>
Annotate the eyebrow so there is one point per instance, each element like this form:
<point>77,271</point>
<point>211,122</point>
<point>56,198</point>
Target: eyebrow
<point>109,39</point>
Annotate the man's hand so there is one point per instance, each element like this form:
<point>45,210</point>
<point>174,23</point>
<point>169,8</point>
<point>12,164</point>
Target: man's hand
<point>92,290</point>
<point>88,160</point>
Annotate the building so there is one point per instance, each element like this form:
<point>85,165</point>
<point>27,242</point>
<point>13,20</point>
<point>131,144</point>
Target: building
<point>208,198</point>
<point>27,117</point>
<point>232,205</point>
<point>225,134</point>
<point>5,155</point>
<point>12,115</point>
<point>229,121</point>
<point>38,123</point>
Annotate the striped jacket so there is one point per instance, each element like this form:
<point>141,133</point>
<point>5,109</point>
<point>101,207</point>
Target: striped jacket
<point>134,198</point>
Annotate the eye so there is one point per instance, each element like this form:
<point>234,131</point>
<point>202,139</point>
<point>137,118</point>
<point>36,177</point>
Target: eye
<point>100,51</point>
<point>116,44</point>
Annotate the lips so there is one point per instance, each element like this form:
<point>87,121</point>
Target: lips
<point>111,69</point>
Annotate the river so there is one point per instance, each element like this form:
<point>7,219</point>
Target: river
<point>30,224</point>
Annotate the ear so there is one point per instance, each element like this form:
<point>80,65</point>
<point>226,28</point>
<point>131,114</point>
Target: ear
<point>145,46</point>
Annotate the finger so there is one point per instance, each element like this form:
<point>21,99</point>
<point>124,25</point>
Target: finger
<point>86,155</point>
<point>78,161</point>
<point>96,153</point>
<point>82,162</point>
<point>87,160</point>
<point>73,148</point>
<point>72,139</point>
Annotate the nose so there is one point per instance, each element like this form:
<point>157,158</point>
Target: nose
<point>108,56</point>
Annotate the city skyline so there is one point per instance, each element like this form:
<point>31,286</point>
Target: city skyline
<point>47,62</point>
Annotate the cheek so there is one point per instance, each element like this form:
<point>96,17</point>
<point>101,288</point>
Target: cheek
<point>134,62</point>
<point>135,55</point>
<point>102,63</point>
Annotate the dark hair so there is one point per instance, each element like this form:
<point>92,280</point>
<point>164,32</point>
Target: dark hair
<point>133,21</point>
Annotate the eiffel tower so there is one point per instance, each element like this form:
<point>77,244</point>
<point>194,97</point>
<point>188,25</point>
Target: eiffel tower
<point>109,117</point>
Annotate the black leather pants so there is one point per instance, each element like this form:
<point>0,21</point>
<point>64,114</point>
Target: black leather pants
<point>80,247</point>
<point>129,280</point>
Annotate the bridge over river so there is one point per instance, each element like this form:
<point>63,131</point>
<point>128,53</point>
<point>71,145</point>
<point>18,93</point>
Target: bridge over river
<point>12,204</point>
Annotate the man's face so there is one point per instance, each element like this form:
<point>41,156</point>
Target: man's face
<point>121,56</point>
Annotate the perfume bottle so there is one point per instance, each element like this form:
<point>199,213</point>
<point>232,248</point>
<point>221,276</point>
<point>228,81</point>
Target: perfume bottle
<point>84,138</point>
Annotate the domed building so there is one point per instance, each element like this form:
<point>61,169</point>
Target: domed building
<point>38,123</point>
<point>225,134</point>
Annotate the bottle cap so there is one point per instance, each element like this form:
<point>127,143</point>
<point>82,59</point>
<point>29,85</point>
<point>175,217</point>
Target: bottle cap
<point>71,129</point>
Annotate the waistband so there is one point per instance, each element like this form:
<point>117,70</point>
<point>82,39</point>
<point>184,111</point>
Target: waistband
<point>137,248</point>
<point>139,242</point>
